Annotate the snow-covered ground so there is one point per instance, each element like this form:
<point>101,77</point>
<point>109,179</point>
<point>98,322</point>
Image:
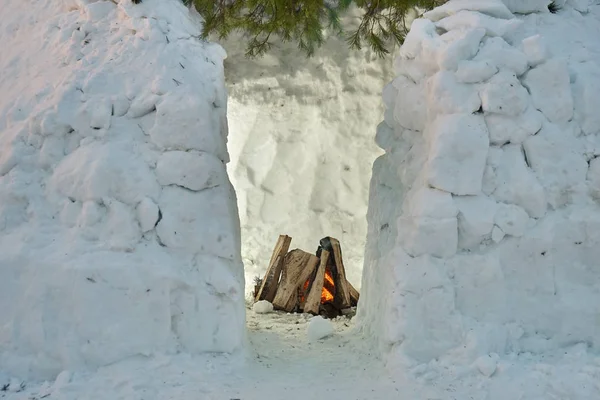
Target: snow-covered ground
<point>302,148</point>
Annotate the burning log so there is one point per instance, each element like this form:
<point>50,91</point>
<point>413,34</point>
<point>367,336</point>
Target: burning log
<point>341,284</point>
<point>298,266</point>
<point>315,292</point>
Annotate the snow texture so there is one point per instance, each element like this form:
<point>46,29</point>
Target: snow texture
<point>483,213</point>
<point>119,232</point>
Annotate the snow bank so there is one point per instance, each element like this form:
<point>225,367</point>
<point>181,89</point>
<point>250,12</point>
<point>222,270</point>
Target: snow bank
<point>483,214</point>
<point>119,232</point>
<point>301,146</point>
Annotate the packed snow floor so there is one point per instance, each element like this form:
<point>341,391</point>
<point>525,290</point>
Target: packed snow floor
<point>284,364</point>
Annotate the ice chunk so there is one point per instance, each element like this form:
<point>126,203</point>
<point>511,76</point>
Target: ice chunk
<point>475,71</point>
<point>511,219</point>
<point>194,171</point>
<point>475,219</point>
<point>262,307</point>
<point>535,49</point>
<point>458,151</point>
<point>494,8</point>
<point>465,19</point>
<point>503,94</point>
<point>319,328</point>
<point>498,52</point>
<point>504,129</point>
<point>445,95</point>
<point>517,184</point>
<point>550,88</point>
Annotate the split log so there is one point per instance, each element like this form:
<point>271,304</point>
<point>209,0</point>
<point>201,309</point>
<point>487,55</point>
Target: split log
<point>268,287</point>
<point>313,299</point>
<point>354,295</point>
<point>342,292</point>
<point>298,266</point>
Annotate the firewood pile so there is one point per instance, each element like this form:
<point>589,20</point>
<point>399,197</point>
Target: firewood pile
<point>297,281</point>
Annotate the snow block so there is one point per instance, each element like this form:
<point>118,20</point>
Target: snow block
<point>194,171</point>
<point>475,219</point>
<point>409,104</point>
<point>202,222</point>
<point>445,95</point>
<point>511,219</point>
<point>550,88</point>
<point>557,160</point>
<point>494,8</point>
<point>475,71</point>
<point>464,20</point>
<point>458,151</point>
<point>458,46</point>
<point>527,6</point>
<point>535,49</point>
<point>510,129</point>
<point>586,96</point>
<point>517,184</point>
<point>502,55</point>
<point>503,94</point>
<point>186,122</point>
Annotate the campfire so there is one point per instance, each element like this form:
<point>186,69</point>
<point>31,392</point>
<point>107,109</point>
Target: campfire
<point>297,281</point>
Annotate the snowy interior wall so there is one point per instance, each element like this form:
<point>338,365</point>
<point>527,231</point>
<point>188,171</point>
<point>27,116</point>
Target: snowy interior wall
<point>119,232</point>
<point>302,147</point>
<point>484,216</point>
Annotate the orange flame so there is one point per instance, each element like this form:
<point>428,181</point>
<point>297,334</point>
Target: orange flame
<point>326,295</point>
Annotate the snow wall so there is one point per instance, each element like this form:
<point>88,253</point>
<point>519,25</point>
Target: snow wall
<point>484,223</point>
<point>119,233</point>
<point>301,146</point>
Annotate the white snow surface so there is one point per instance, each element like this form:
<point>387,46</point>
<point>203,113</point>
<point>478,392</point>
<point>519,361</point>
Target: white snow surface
<point>301,146</point>
<point>483,213</point>
<point>119,233</point>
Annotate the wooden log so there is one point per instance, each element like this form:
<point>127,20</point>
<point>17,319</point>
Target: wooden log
<point>354,295</point>
<point>313,299</point>
<point>298,266</point>
<point>342,292</point>
<point>268,287</point>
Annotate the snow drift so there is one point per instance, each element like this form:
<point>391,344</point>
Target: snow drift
<point>119,232</point>
<point>483,213</point>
